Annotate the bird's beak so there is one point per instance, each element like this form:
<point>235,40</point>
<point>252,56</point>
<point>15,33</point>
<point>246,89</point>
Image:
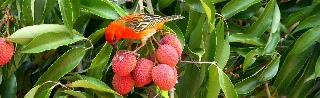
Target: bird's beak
<point>114,45</point>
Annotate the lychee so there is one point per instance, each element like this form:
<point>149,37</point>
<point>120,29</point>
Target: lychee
<point>173,41</point>
<point>123,63</point>
<point>175,72</point>
<point>163,76</point>
<point>122,84</point>
<point>142,72</point>
<point>6,51</point>
<point>166,54</point>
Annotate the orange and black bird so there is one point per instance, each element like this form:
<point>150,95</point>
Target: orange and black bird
<point>136,26</point>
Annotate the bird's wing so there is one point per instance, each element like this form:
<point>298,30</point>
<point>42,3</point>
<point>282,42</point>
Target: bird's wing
<point>139,22</point>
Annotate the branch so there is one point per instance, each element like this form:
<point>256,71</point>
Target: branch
<point>193,62</point>
<point>140,3</point>
<point>267,89</point>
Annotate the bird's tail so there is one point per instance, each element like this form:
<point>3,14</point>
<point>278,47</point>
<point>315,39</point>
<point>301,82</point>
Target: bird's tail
<point>173,17</point>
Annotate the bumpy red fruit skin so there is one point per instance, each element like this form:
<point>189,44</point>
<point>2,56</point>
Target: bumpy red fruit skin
<point>163,76</point>
<point>175,72</point>
<point>6,51</point>
<point>122,84</point>
<point>123,64</point>
<point>142,72</point>
<point>173,41</point>
<point>166,54</point>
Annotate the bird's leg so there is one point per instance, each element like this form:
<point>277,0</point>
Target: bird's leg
<point>129,45</point>
<point>143,43</point>
<point>137,49</point>
<point>154,39</point>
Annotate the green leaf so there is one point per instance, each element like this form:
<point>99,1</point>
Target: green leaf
<point>270,71</point>
<point>264,21</point>
<point>308,23</point>
<point>274,37</point>
<point>66,13</point>
<point>26,34</point>
<point>6,3</point>
<point>77,94</point>
<point>99,8</point>
<point>38,10</point>
<point>33,91</point>
<point>64,64</point>
<point>290,68</point>
<point>317,68</point>
<point>195,5</point>
<point>210,10</point>
<point>275,19</point>
<point>306,40</point>
<point>235,6</point>
<point>164,3</point>
<point>49,5</point>
<point>226,85</point>
<point>102,57</point>
<point>247,85</point>
<point>49,41</point>
<point>251,58</point>
<point>93,84</point>
<point>195,42</point>
<point>298,16</point>
<point>9,87</point>
<point>273,40</point>
<point>301,87</point>
<point>75,4</point>
<point>190,81</point>
<point>246,39</point>
<point>119,10</point>
<point>212,85</point>
<point>222,47</point>
<point>28,12</point>
<point>192,24</point>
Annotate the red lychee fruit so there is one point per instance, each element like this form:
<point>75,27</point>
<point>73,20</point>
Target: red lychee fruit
<point>142,72</point>
<point>122,84</point>
<point>163,76</point>
<point>6,51</point>
<point>123,63</point>
<point>166,54</point>
<point>173,41</point>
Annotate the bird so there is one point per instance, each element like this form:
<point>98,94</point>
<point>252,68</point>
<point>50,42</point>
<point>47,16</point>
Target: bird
<point>137,26</point>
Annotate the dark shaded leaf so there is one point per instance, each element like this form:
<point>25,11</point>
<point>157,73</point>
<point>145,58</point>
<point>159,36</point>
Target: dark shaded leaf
<point>309,22</point>
<point>290,68</point>
<point>306,40</point>
<point>64,64</point>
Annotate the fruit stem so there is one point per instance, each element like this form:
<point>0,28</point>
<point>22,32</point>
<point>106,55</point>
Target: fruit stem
<point>171,92</point>
<point>193,62</point>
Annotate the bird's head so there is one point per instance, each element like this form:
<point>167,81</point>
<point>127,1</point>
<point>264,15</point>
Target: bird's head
<point>112,34</point>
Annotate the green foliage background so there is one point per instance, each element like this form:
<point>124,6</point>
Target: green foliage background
<point>248,48</point>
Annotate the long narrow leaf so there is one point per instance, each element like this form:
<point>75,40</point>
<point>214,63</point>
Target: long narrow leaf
<point>235,6</point>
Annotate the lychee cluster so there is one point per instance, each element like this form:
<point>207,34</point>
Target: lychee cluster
<point>132,72</point>
<point>6,51</point>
